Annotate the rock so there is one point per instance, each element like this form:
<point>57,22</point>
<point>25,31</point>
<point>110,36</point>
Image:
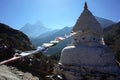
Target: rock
<point>14,38</point>
<point>10,40</point>
<point>5,74</point>
<point>12,73</point>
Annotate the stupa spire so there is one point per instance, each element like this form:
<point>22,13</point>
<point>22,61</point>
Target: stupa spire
<point>85,6</point>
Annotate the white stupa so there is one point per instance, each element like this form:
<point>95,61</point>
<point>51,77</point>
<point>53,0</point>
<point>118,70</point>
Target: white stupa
<point>87,54</point>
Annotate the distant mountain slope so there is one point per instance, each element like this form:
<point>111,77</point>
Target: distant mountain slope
<point>34,30</point>
<point>104,22</point>
<point>38,41</point>
<point>112,38</point>
<point>47,34</point>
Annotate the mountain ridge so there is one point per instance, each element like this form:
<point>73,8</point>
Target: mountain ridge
<point>104,22</point>
<point>34,30</point>
<point>37,29</point>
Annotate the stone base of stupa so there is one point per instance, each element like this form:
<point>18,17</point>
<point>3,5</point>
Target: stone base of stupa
<point>66,72</point>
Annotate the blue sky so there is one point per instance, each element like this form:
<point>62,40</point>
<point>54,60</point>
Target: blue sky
<point>54,13</point>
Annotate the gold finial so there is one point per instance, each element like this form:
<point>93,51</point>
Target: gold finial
<point>85,6</point>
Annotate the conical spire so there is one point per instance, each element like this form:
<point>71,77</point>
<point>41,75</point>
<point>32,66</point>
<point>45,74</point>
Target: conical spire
<point>87,22</point>
<point>85,6</point>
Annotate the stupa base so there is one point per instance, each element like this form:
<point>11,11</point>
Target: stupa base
<point>77,74</point>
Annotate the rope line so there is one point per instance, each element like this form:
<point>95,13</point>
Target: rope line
<point>42,48</point>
